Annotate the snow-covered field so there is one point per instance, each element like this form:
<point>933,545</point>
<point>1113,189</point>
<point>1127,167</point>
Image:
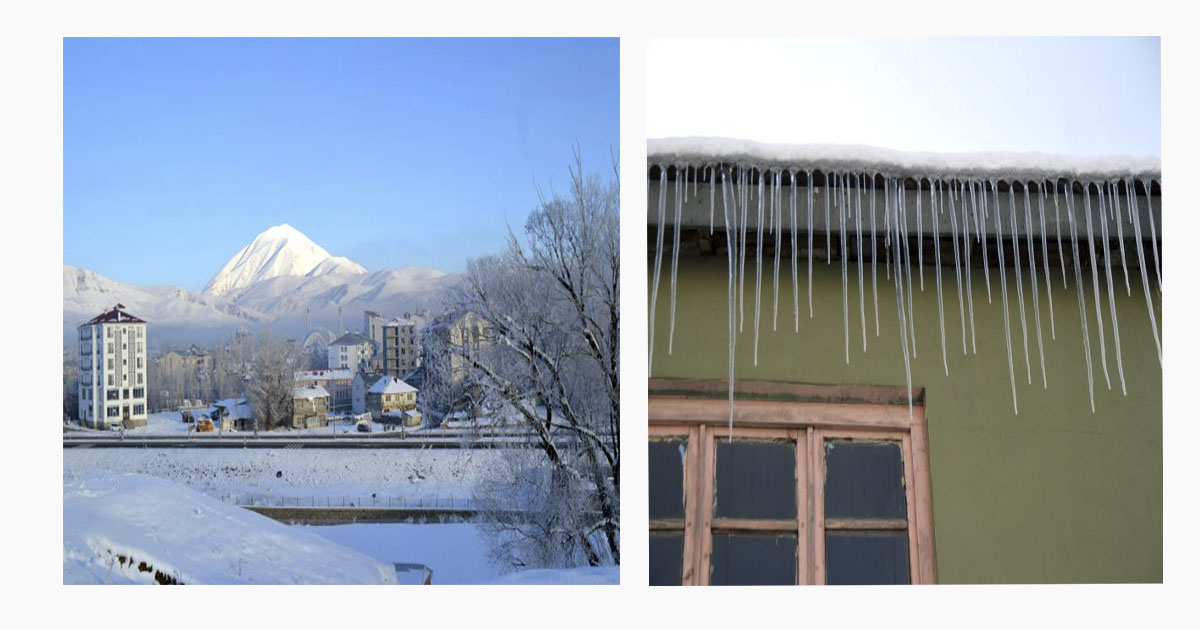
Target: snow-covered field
<point>169,423</point>
<point>238,475</point>
<point>133,529</point>
<point>456,552</point>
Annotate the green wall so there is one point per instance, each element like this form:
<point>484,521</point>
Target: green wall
<point>1054,494</point>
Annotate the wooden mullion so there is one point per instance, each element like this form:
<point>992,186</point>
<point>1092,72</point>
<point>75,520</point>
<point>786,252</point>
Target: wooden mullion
<point>783,526</point>
<point>894,524</point>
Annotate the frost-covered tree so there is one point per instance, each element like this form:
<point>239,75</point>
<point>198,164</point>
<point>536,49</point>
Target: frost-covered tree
<point>271,379</point>
<point>550,318</point>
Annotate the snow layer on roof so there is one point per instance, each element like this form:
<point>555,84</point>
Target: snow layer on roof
<point>316,391</point>
<point>192,538</point>
<point>310,376</point>
<point>697,151</point>
<point>391,385</point>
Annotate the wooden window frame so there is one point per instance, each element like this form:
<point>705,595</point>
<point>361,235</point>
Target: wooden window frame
<point>808,415</point>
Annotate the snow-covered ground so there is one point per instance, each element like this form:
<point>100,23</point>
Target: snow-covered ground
<point>456,552</point>
<point>133,529</point>
<point>238,475</point>
<point>578,575</point>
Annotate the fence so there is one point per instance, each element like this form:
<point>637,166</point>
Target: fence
<point>328,501</point>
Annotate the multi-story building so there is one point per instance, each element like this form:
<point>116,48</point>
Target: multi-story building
<point>351,351</point>
<point>336,384</point>
<point>112,370</point>
<point>373,329</point>
<point>390,399</point>
<point>310,407</point>
<point>395,342</point>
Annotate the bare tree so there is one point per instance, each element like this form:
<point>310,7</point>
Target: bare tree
<point>272,378</point>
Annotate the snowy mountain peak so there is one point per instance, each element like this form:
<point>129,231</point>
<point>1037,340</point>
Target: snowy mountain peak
<point>280,250</point>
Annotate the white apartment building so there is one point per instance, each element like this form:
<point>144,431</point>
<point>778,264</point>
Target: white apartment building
<point>352,351</point>
<point>396,342</point>
<point>112,370</point>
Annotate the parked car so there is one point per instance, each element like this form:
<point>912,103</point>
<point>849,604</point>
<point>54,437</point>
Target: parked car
<point>364,427</point>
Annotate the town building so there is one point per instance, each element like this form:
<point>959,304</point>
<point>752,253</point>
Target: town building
<point>362,382</point>
<point>112,370</point>
<point>310,407</point>
<point>389,397</point>
<point>233,414</point>
<point>352,351</point>
<point>401,344</point>
<point>336,383</point>
<point>837,340</point>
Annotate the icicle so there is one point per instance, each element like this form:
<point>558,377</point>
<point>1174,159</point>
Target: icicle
<point>1153,233</point>
<point>1130,186</point>
<point>662,220</point>
<point>778,240</point>
<point>684,184</point>
<point>862,304</point>
<point>841,212</point>
<point>795,255</point>
<point>809,179</point>
<point>935,191</point>
<point>731,255</point>
<point>695,182</point>
<point>1033,281</point>
<point>1115,198</point>
<point>967,262</point>
<point>1112,304</point>
<point>962,310</point>
<point>828,223</point>
<point>894,223</point>
<point>907,266</point>
<point>758,245</point>
<point>744,189</point>
<point>1062,260</point>
<point>887,239</point>
<point>1087,210</point>
<point>920,247</point>
<point>874,256</point>
<point>1004,299</point>
<point>712,204</point>
<point>1087,346</point>
<point>1046,253</point>
<point>1016,247</point>
<point>675,260</point>
<point>981,232</point>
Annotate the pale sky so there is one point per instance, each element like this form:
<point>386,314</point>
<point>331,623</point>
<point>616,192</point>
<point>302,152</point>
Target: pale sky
<point>1070,95</point>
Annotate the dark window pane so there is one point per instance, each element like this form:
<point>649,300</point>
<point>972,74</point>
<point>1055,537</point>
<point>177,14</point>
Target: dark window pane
<point>756,480</point>
<point>753,559</point>
<point>856,557</point>
<point>666,559</point>
<point>666,478</point>
<point>864,480</point>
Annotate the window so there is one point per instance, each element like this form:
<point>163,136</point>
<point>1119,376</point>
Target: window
<point>110,348</point>
<point>139,362</point>
<point>810,488</point>
<point>139,378</point>
<point>139,410</point>
<point>141,333</point>
<point>110,380</point>
<point>112,394</point>
<point>112,412</point>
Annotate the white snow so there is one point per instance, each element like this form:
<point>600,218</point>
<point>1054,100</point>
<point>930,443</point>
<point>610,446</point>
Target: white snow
<point>579,575</point>
<point>456,552</point>
<point>281,250</point>
<point>126,528</point>
<point>309,392</point>
<point>391,385</point>
<point>867,159</point>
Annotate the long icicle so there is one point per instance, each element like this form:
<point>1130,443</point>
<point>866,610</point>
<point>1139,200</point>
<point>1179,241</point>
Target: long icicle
<point>1083,325</point>
<point>962,310</point>
<point>1046,253</point>
<point>658,250</point>
<point>1087,210</point>
<point>744,198</point>
<point>731,255</point>
<point>828,233</point>
<point>795,255</point>
<point>777,201</point>
<point>1131,186</point>
<point>1062,260</point>
<point>920,234</point>
<point>712,207</point>
<point>862,303</point>
<point>890,210</point>
<point>1012,379</point>
<point>967,264</point>
<point>908,283</point>
<point>809,179</point>
<point>758,246</point>
<point>1033,282</point>
<point>935,191</point>
<point>1016,247</point>
<point>981,231</point>
<point>874,257</point>
<point>1112,304</point>
<point>1146,184</point>
<point>841,212</point>
<point>1115,198</point>
<point>675,259</point>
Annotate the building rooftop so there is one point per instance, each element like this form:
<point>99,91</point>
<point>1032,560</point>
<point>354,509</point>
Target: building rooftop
<point>391,385</point>
<point>308,392</point>
<point>115,315</point>
<point>351,339</point>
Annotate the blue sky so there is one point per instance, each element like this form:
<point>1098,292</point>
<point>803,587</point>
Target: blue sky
<point>392,152</point>
<point>1072,95</point>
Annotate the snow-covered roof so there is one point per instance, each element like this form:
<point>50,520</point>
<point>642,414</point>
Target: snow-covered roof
<point>312,376</point>
<point>350,339</point>
<point>391,385</point>
<point>235,408</point>
<point>314,391</point>
<point>114,315</point>
<point>697,151</point>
